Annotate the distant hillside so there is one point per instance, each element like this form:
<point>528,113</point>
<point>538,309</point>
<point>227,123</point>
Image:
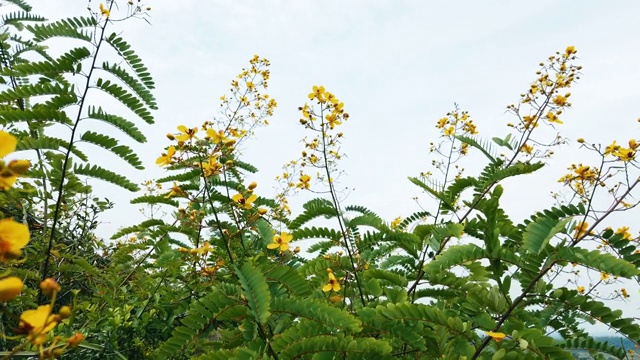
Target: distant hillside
<point>612,340</point>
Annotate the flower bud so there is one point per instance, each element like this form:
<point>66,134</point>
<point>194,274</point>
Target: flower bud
<point>65,312</point>
<point>49,286</point>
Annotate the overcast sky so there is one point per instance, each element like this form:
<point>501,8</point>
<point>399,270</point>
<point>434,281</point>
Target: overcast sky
<point>398,66</point>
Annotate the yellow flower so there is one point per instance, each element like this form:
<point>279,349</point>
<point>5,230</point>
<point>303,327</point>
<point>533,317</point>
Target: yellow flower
<point>13,237</point>
<point>37,323</point>
<point>624,293</point>
<point>10,288</point>
<point>203,250</point>
<point>318,93</point>
<point>167,158</point>
<point>442,122</point>
<point>212,167</point>
<point>560,100</point>
<point>497,336</point>
<point>604,276</point>
<point>8,143</point>
<point>396,222</point>
<point>553,117</point>
<point>611,148</point>
<point>281,241</point>
<point>19,167</point>
<point>581,230</point>
<point>333,283</point>
<point>526,148</point>
<point>7,178</point>
<point>104,11</point>
<point>186,133</point>
<point>217,137</point>
<point>624,154</point>
<point>581,289</point>
<point>570,50</point>
<point>175,191</point>
<point>246,203</point>
<point>450,130</point>
<point>333,120</point>
<point>304,182</point>
<point>625,232</point>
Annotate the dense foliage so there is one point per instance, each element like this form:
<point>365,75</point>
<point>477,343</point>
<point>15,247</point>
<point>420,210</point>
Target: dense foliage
<point>212,273</point>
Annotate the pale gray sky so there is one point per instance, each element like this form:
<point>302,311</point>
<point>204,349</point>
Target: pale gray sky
<point>398,66</point>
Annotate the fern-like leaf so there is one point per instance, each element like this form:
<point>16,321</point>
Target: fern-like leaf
<point>136,86</point>
<point>111,144</point>
<point>256,291</point>
<point>69,27</point>
<point>538,233</point>
<point>101,173</point>
<point>202,314</point>
<point>121,123</point>
<point>126,98</point>
<point>124,50</point>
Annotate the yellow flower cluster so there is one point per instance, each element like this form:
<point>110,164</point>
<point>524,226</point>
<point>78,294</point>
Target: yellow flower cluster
<point>396,222</point>
<point>581,178</point>
<point>13,235</point>
<point>321,152</point>
<point>625,154</point>
<point>546,98</point>
<point>329,103</point>
<point>457,122</point>
<point>454,123</point>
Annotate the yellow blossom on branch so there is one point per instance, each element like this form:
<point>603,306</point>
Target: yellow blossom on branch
<point>304,182</point>
<point>497,336</point>
<point>8,143</point>
<point>581,289</point>
<point>166,158</point>
<point>624,231</point>
<point>581,230</point>
<point>104,11</point>
<point>332,284</point>
<point>246,203</point>
<point>318,93</point>
<point>186,133</point>
<point>281,241</point>
<point>624,293</point>
<point>37,323</point>
<point>333,120</point>
<point>13,237</point>
<point>624,154</point>
<point>10,288</point>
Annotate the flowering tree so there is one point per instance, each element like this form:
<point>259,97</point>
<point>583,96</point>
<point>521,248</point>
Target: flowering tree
<point>216,275</point>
